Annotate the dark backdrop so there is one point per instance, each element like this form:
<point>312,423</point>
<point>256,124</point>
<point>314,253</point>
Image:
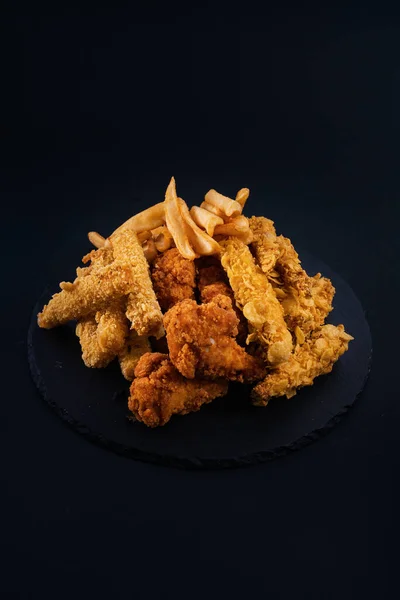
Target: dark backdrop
<point>99,109</point>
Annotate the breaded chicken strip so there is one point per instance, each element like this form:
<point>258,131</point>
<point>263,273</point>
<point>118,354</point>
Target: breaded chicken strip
<point>264,245</point>
<point>93,354</point>
<point>212,281</point>
<point>135,347</point>
<point>201,342</point>
<point>315,357</point>
<point>256,298</point>
<point>142,309</point>
<point>112,327</point>
<point>87,294</point>
<point>173,278</point>
<point>159,391</point>
<point>306,300</point>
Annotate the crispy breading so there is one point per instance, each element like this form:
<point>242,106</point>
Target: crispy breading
<point>93,354</point>
<point>112,327</point>
<point>315,357</point>
<point>256,298</point>
<point>173,277</point>
<point>322,292</point>
<point>201,341</point>
<point>135,346</point>
<point>159,391</point>
<point>142,309</point>
<point>88,294</point>
<point>212,281</point>
<point>264,245</point>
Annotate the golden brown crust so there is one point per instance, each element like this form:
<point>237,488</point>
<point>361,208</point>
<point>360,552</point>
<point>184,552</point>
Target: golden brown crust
<point>315,357</point>
<point>201,341</point>
<point>90,293</point>
<point>136,345</point>
<point>142,309</point>
<point>256,298</point>
<point>93,354</point>
<point>173,278</point>
<point>159,391</point>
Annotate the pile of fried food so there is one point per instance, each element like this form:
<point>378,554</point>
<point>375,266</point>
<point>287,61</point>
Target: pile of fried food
<point>188,300</point>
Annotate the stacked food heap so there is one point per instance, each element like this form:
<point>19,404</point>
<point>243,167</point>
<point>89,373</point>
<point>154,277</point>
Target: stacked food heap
<point>188,300</point>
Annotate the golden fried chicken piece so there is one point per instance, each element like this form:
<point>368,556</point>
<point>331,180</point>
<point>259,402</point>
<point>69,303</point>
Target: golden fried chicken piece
<point>173,278</point>
<point>257,300</point>
<point>135,346</point>
<point>112,327</point>
<point>315,357</point>
<point>159,391</point>
<point>212,281</point>
<point>322,292</point>
<point>87,294</point>
<point>201,341</point>
<point>265,246</point>
<point>93,354</point>
<point>142,309</point>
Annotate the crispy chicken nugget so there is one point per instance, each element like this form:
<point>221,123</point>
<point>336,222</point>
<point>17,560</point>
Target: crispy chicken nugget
<point>87,295</point>
<point>135,347</point>
<point>315,357</point>
<point>159,391</point>
<point>142,309</point>
<point>93,354</point>
<point>174,278</point>
<point>256,298</point>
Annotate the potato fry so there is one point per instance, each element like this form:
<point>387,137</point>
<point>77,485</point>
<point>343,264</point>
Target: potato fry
<point>146,220</point>
<point>162,238</point>
<point>237,225</point>
<point>203,218</point>
<point>246,237</point>
<point>149,250</point>
<point>201,242</point>
<point>242,196</point>
<point>212,209</point>
<point>229,207</point>
<point>96,239</point>
<point>175,223</point>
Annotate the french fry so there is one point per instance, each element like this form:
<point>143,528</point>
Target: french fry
<point>149,250</point>
<point>205,219</point>
<point>246,237</point>
<point>212,209</point>
<point>201,242</point>
<point>242,196</point>
<point>96,239</point>
<point>237,225</point>
<point>227,206</point>
<point>146,220</point>
<point>176,224</point>
<point>162,238</point>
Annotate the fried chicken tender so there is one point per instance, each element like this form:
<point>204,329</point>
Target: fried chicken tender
<point>322,292</point>
<point>256,298</point>
<point>306,300</point>
<point>87,294</point>
<point>159,391</point>
<point>112,327</point>
<point>173,278</point>
<point>135,347</point>
<point>201,341</point>
<point>93,354</point>
<point>212,281</point>
<point>315,357</point>
<point>265,246</point>
<point>142,309</point>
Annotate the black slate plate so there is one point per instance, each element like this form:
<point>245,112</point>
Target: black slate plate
<point>230,432</point>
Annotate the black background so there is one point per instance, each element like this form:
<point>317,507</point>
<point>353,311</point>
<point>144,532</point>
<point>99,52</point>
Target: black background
<point>99,108</point>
